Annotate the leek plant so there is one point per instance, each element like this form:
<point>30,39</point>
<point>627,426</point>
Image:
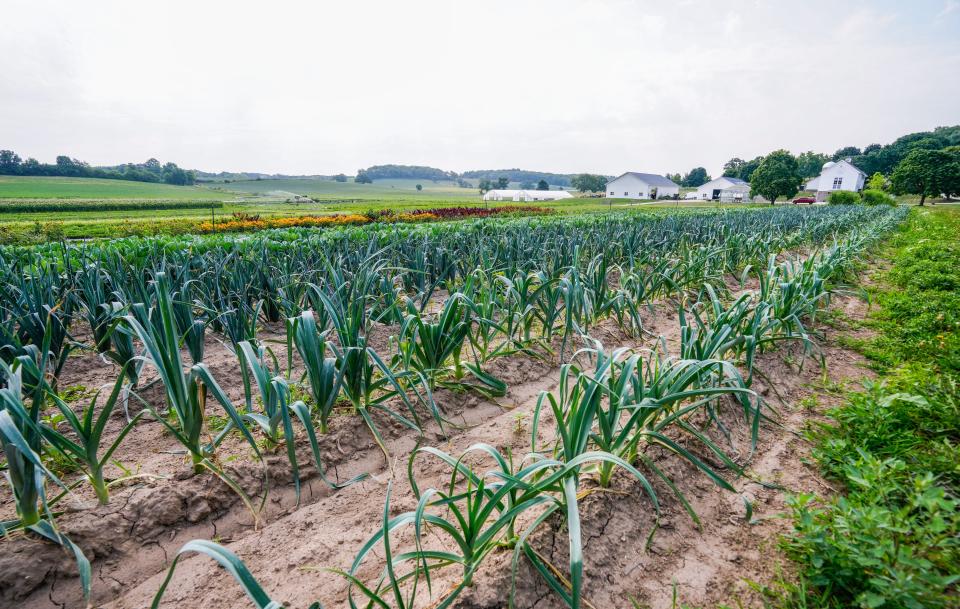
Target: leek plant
<point>186,389</point>
<point>96,303</point>
<point>82,444</point>
<point>324,379</point>
<point>189,326</point>
<point>366,380</point>
<point>232,564</point>
<point>22,401</point>
<point>427,346</point>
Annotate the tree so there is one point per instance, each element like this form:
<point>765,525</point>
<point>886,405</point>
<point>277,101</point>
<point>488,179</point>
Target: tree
<point>362,177</point>
<point>419,187</point>
<point>340,177</point>
<point>877,182</point>
<point>810,163</point>
<point>746,172</point>
<point>696,177</point>
<point>542,185</point>
<point>927,173</point>
<point>845,152</point>
<point>485,185</point>
<point>674,177</point>
<point>589,182</point>
<point>175,175</point>
<point>731,169</point>
<point>738,168</point>
<point>9,162</point>
<point>777,176</point>
<point>502,183</point>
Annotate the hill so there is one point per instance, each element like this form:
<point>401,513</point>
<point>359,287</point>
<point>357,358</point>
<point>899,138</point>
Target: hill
<point>34,187</point>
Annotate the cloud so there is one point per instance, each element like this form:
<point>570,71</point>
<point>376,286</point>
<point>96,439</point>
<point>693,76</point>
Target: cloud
<point>949,7</point>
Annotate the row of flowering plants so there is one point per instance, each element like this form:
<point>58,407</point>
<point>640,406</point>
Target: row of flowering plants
<point>240,222</point>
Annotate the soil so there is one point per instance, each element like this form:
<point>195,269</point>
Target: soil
<point>290,548</point>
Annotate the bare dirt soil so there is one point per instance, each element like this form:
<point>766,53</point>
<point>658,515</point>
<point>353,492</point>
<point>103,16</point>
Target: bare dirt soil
<point>132,540</point>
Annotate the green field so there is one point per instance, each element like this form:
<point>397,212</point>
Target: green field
<point>269,197</point>
<point>29,187</point>
<point>329,189</point>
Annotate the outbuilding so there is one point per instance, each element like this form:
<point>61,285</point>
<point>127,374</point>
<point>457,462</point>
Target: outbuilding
<point>526,195</point>
<point>634,185</point>
<point>725,189</point>
<point>840,175</point>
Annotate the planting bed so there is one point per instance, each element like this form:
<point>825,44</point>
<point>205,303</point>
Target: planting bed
<point>468,339</point>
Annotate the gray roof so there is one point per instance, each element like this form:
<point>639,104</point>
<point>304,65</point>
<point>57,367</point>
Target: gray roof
<point>734,180</point>
<point>651,179</point>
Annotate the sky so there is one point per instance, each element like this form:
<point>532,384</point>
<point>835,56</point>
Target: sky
<point>568,86</point>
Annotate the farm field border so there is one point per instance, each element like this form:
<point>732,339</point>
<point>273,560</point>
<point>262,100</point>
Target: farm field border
<point>583,323</point>
<point>890,445</point>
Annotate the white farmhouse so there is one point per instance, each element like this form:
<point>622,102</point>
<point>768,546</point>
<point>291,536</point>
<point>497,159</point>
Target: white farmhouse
<point>841,175</point>
<point>633,185</point>
<point>725,189</point>
<point>526,195</point>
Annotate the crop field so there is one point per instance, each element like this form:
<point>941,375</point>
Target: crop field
<point>28,187</point>
<point>37,209</point>
<point>564,410</point>
<point>330,189</point>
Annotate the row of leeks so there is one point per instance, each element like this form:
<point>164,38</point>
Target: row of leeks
<point>605,420</point>
<point>491,314</point>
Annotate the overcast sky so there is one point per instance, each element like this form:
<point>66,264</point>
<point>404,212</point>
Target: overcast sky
<point>559,85</point>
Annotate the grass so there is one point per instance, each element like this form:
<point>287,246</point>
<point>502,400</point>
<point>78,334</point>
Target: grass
<point>893,538</point>
<point>33,187</point>
<point>329,189</point>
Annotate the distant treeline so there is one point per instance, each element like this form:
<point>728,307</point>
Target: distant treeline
<point>875,158</point>
<point>403,172</point>
<point>519,175</point>
<point>151,171</point>
<point>418,172</point>
<point>29,207</point>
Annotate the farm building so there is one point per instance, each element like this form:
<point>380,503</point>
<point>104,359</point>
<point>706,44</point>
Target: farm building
<point>842,175</point>
<point>526,195</point>
<point>724,189</point>
<point>633,185</point>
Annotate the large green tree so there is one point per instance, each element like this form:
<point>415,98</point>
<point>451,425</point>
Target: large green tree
<point>846,151</point>
<point>589,182</point>
<point>777,176</point>
<point>928,173</point>
<point>738,168</point>
<point>810,163</point>
<point>542,185</point>
<point>9,162</point>
<point>697,176</point>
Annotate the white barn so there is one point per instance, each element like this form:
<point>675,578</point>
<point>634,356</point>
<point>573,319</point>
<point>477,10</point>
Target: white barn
<point>526,195</point>
<point>842,175</point>
<point>724,189</point>
<point>633,185</point>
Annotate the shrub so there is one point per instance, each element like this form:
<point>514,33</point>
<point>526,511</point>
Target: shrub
<point>877,197</point>
<point>890,544</point>
<point>843,197</point>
